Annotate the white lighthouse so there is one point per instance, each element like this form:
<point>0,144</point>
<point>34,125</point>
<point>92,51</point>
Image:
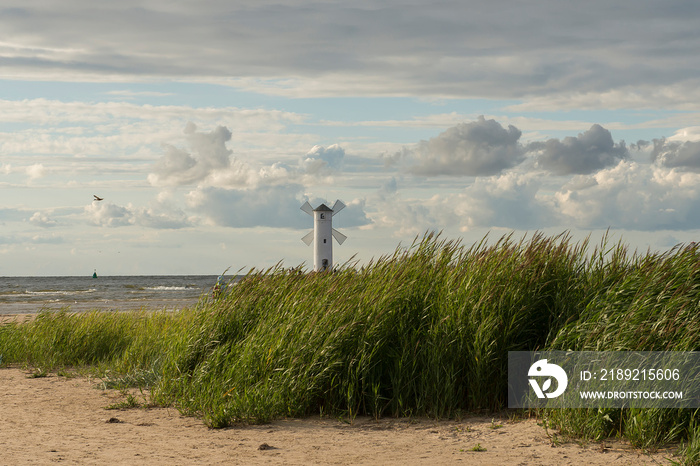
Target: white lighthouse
<point>323,234</point>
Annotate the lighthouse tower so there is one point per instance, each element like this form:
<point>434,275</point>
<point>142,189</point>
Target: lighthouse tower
<point>323,234</point>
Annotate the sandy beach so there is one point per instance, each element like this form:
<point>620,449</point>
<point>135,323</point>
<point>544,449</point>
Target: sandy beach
<point>53,419</point>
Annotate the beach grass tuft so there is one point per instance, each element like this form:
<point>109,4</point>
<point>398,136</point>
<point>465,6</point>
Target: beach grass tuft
<point>423,331</point>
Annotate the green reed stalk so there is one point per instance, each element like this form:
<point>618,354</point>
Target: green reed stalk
<point>423,331</point>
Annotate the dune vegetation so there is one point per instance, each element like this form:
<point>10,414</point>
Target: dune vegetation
<point>423,331</point>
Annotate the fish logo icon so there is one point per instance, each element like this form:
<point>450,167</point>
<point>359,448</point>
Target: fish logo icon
<point>542,368</point>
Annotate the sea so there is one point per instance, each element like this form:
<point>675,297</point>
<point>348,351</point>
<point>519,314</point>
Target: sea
<point>28,295</point>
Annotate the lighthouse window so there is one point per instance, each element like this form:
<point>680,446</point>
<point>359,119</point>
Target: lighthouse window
<point>324,240</point>
<point>323,216</point>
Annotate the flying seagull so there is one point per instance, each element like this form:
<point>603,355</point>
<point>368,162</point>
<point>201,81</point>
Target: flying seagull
<point>97,198</point>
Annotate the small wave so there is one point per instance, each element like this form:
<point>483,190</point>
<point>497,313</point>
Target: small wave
<point>58,292</point>
<point>166,288</point>
<point>66,292</point>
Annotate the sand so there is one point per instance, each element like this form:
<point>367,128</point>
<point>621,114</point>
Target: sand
<point>58,419</point>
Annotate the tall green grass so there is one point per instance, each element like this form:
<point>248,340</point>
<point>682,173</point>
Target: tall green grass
<point>649,303</point>
<point>423,331</point>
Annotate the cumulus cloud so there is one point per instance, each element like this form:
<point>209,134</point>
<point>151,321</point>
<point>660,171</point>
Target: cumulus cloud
<point>161,215</point>
<point>162,218</point>
<point>509,200</point>
<point>589,152</point>
<point>485,147</point>
<point>43,220</point>
<point>675,154</point>
<point>628,196</point>
<point>208,162</point>
<point>406,217</point>
<point>322,159</point>
<point>108,214</point>
<point>208,154</point>
<point>632,196</point>
<point>481,147</point>
<point>36,171</point>
<point>689,133</point>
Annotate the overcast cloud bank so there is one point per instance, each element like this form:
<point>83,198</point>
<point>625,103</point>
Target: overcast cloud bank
<point>541,52</point>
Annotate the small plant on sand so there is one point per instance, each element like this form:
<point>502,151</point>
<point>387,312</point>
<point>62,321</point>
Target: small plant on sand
<point>494,425</point>
<point>477,447</point>
<point>130,402</point>
<point>38,373</point>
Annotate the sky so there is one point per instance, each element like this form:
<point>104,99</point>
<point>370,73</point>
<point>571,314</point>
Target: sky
<point>205,126</point>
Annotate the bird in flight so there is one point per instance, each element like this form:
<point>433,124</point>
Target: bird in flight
<point>97,198</point>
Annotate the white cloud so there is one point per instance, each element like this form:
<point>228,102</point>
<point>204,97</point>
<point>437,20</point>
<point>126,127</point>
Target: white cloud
<point>629,195</point>
<point>123,132</point>
<point>407,217</point>
<point>485,147</point>
<point>511,200</point>
<point>429,121</point>
<point>323,159</point>
<point>170,218</point>
<point>209,154</point>
<point>132,94</point>
<point>208,162</point>
<point>107,214</point>
<point>482,147</point>
<point>587,153</point>
<point>161,215</point>
<point>691,133</point>
<point>682,95</point>
<point>43,220</point>
<point>44,112</point>
<point>633,196</point>
<point>676,154</point>
<point>36,171</point>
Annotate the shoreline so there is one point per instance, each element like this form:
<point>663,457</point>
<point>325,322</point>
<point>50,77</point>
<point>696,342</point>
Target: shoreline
<point>31,310</point>
<point>104,305</point>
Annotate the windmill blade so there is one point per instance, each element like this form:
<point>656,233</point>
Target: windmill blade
<point>338,206</point>
<point>339,237</point>
<point>307,208</point>
<point>308,238</point>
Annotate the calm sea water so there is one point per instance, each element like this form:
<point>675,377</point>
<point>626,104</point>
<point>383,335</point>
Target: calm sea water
<point>32,294</point>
